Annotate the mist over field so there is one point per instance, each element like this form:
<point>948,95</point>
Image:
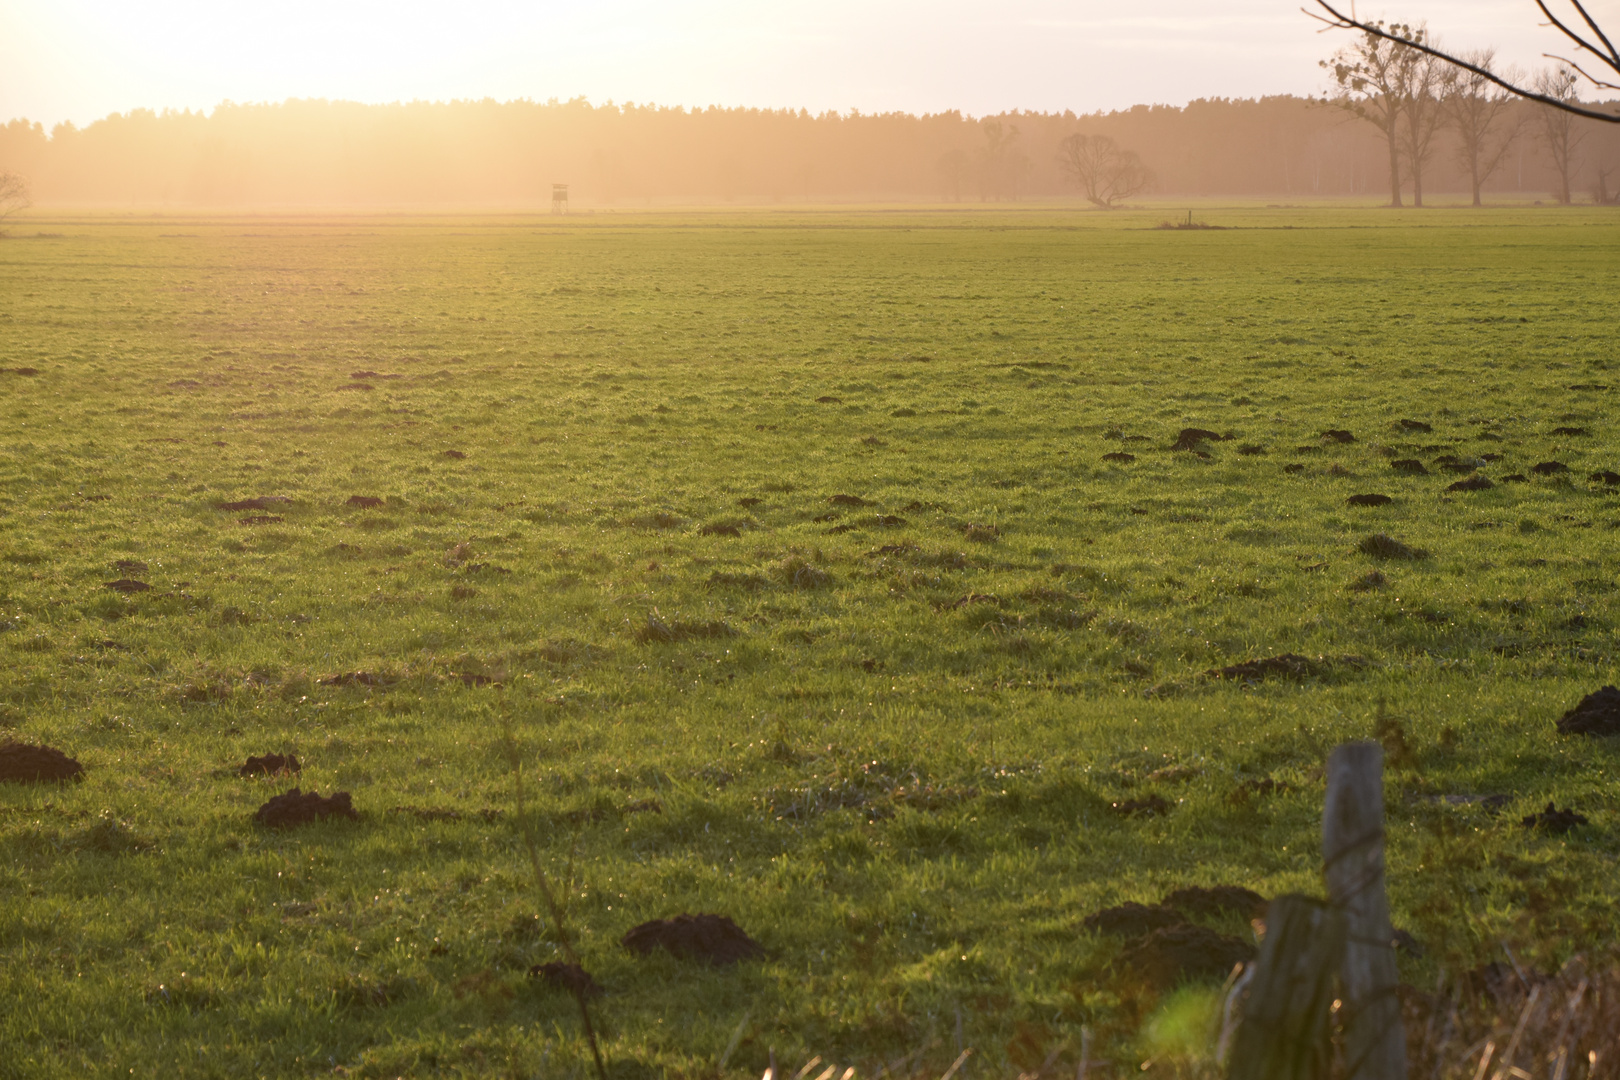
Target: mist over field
<point>466,153</point>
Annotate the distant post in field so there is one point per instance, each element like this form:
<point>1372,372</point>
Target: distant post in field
<point>1353,865</point>
<point>559,198</point>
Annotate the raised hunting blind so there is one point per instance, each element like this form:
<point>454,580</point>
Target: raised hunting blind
<point>559,198</point>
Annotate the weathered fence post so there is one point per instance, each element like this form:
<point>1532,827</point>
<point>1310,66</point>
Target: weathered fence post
<point>1284,1033</point>
<point>1353,864</point>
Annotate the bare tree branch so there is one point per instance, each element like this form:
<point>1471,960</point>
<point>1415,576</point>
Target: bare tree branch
<point>1341,21</point>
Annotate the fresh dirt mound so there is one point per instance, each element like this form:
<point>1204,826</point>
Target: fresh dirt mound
<point>1151,806</point>
<point>1174,953</point>
<point>847,500</point>
<point>1294,468</point>
<point>128,586</point>
<point>295,808</point>
<point>1120,456</point>
<point>1338,435</point>
<point>364,502</point>
<point>270,765</point>
<point>1514,478</point>
<point>1382,546</point>
<point>712,938</point>
<point>748,501</point>
<point>1606,476</point>
<point>454,455</point>
<point>1284,665</point>
<point>1415,425</point>
<point>1191,437</point>
<point>570,977</point>
<point>129,566</point>
<point>1132,920</point>
<point>21,371</point>
<point>1370,499</point>
<point>828,399</point>
<point>1549,468</point>
<point>1410,466</point>
<point>1597,714</point>
<point>1476,482</point>
<point>21,763</point>
<point>1554,820</point>
<point>1217,900</point>
<point>719,529</point>
<point>1575,431</point>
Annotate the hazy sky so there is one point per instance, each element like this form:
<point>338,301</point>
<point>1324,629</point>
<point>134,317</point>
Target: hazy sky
<point>81,59</point>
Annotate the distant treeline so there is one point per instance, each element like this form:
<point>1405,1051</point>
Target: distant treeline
<point>334,153</point>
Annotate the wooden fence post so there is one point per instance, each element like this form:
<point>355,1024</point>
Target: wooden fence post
<point>1284,1032</point>
<point>1353,864</point>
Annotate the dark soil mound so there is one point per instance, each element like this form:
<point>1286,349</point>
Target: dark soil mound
<point>129,566</point>
<point>1554,820</point>
<point>21,371</point>
<point>1415,425</point>
<point>1174,953</point>
<point>1192,436</point>
<point>1476,482</point>
<point>1132,920</point>
<point>1338,435</point>
<point>1597,714</point>
<point>270,765</point>
<point>1152,806</point>
<point>1252,451</point>
<point>295,808</point>
<point>1549,468</point>
<point>1607,476</point>
<point>24,764</point>
<point>748,501</point>
<point>1380,546</point>
<point>712,938</point>
<point>570,977</point>
<point>1576,431</point>
<point>719,529</point>
<point>1296,467</point>
<point>847,500</point>
<point>365,502</point>
<point>128,585</point>
<point>1217,900</point>
<point>455,455</point>
<point>1120,456</point>
<point>828,399</point>
<point>1411,466</point>
<point>1370,499</point>
<point>1286,665</point>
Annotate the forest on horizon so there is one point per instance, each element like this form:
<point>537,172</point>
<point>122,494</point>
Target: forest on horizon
<point>509,154</point>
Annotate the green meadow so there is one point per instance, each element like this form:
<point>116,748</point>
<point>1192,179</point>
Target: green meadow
<point>784,546</point>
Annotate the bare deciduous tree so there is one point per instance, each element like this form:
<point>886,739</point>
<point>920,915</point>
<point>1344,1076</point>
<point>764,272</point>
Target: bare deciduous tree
<point>1558,131</point>
<point>1104,172</point>
<point>1421,115</point>
<point>14,194</point>
<point>1372,76</point>
<point>1590,38</point>
<point>1478,111</point>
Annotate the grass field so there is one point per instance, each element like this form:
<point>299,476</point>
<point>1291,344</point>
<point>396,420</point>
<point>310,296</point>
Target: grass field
<point>886,738</point>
